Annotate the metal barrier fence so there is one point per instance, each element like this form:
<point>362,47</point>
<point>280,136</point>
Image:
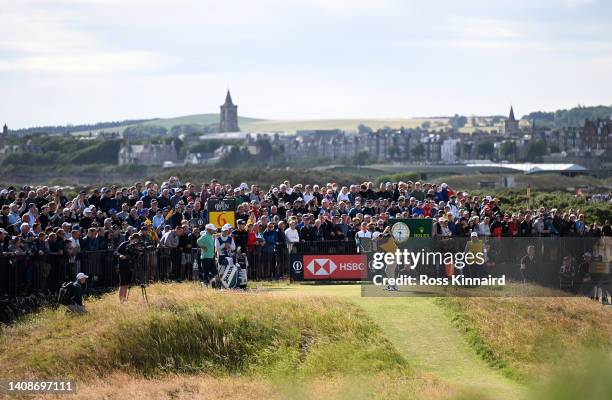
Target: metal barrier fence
<point>25,274</point>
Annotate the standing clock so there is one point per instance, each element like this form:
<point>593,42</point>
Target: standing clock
<point>400,232</point>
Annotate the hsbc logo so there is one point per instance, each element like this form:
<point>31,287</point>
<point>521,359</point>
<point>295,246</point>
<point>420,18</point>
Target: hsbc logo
<point>321,267</point>
<point>335,267</point>
<point>351,266</point>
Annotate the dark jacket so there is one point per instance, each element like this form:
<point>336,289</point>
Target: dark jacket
<point>76,295</point>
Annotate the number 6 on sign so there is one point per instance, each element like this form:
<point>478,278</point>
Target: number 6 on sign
<point>222,218</point>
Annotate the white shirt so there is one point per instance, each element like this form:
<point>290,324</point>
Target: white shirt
<point>366,234</point>
<point>75,242</point>
<point>343,197</point>
<point>292,234</point>
<point>483,229</point>
<point>307,197</point>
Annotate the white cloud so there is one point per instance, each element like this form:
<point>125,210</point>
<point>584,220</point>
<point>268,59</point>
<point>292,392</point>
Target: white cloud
<point>84,63</point>
<point>297,58</point>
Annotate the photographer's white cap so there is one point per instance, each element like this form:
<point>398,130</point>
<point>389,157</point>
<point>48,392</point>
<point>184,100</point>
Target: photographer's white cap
<point>474,234</point>
<point>211,226</point>
<point>81,275</point>
<point>226,227</point>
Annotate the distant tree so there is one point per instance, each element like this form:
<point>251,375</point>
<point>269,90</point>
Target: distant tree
<point>508,149</point>
<point>418,151</point>
<point>572,117</point>
<point>361,128</point>
<point>458,121</point>
<point>361,158</point>
<point>426,125</point>
<point>485,149</point>
<point>394,152</point>
<point>467,147</point>
<point>554,148</point>
<point>536,149</point>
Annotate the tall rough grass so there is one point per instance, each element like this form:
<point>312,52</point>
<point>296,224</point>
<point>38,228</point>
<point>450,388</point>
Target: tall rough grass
<point>530,338</point>
<point>190,330</point>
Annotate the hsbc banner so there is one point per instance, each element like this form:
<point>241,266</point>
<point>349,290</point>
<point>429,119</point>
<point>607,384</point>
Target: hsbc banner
<point>329,267</point>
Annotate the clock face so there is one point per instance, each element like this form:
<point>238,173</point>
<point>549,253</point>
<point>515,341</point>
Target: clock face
<point>400,232</point>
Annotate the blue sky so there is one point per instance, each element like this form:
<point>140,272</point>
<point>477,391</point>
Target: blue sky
<point>65,61</point>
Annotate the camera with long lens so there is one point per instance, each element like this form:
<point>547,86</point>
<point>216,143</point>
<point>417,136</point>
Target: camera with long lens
<point>135,252</point>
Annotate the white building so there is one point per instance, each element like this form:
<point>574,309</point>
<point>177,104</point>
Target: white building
<point>449,150</point>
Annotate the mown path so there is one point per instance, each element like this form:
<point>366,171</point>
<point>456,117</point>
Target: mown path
<point>425,336</point>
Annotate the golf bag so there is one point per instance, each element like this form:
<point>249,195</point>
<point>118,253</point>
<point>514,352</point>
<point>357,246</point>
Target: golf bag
<point>232,272</point>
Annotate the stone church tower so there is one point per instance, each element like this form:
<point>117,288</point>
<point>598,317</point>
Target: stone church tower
<point>511,125</point>
<point>229,115</point>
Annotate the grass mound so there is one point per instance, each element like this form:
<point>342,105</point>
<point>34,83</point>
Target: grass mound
<point>190,330</point>
<point>528,338</point>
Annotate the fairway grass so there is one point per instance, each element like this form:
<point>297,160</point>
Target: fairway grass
<point>423,334</point>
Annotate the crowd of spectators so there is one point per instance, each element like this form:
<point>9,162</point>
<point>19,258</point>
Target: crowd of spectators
<point>172,214</point>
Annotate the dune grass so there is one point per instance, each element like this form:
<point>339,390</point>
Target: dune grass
<point>190,330</point>
<point>589,378</point>
<point>200,343</point>
<point>529,338</point>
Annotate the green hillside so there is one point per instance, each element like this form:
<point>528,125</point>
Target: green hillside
<point>196,119</point>
<point>248,124</point>
<point>343,124</point>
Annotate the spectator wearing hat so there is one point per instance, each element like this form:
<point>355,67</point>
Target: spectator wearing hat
<point>241,236</point>
<point>78,289</point>
<point>224,244</point>
<point>80,202</point>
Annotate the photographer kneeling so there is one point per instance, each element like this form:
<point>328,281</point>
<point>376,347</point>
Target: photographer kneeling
<point>76,294</point>
<point>127,252</point>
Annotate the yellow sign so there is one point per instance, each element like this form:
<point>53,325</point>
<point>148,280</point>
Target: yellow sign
<point>222,218</point>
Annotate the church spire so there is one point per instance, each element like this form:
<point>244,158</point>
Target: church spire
<point>511,117</point>
<point>228,99</point>
<point>228,117</point>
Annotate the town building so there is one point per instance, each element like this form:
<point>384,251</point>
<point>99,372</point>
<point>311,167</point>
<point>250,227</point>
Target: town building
<point>450,151</point>
<point>511,125</point>
<point>597,135</point>
<point>228,121</point>
<point>148,154</point>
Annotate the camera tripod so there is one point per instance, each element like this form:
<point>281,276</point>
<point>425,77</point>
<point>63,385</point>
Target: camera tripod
<point>143,292</point>
<point>141,280</point>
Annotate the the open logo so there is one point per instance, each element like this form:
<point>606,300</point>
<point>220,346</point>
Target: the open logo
<point>297,266</point>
